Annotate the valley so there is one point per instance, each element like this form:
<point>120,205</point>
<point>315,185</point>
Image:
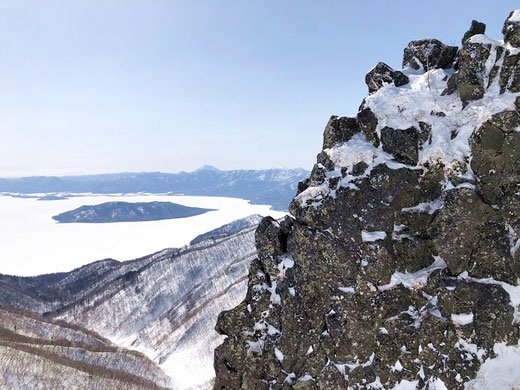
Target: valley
<point>164,305</point>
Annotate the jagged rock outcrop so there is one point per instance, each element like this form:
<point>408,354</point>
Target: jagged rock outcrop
<point>164,305</point>
<point>38,353</point>
<point>511,29</point>
<point>402,143</point>
<point>399,266</point>
<point>339,129</point>
<point>427,54</point>
<point>476,28</point>
<point>471,79</point>
<point>381,75</point>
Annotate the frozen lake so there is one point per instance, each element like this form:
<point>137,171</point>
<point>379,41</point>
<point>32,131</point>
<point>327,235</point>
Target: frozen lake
<point>32,243</point>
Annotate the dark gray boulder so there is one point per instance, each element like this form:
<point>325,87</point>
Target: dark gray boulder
<point>428,54</point>
<point>381,75</point>
<point>339,129</point>
<point>324,160</point>
<point>475,29</point>
<point>368,123</point>
<point>470,235</point>
<point>496,156</point>
<point>271,240</point>
<point>471,77</point>
<point>511,29</point>
<point>509,78</point>
<point>403,144</point>
<point>425,130</point>
<point>359,168</point>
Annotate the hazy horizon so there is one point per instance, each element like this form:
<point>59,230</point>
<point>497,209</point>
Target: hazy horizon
<point>80,173</point>
<point>105,87</point>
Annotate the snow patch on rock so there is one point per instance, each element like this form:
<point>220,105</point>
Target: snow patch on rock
<point>414,280</point>
<point>462,319</point>
<point>515,17</point>
<point>501,372</point>
<point>367,236</point>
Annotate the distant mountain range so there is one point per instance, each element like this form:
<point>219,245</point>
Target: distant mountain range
<point>275,187</point>
<point>128,212</point>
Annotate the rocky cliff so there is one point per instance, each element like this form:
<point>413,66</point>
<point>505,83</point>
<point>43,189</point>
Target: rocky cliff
<point>164,305</point>
<point>400,268</point>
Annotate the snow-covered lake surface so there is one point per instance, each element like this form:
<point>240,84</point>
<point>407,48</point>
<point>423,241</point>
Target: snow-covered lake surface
<point>32,243</point>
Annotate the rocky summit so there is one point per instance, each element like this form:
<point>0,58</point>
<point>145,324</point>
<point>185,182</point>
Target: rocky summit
<point>399,267</point>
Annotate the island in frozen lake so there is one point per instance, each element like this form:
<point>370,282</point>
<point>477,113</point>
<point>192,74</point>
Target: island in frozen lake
<point>128,212</point>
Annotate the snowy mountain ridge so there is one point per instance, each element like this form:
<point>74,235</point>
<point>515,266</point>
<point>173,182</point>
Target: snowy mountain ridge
<point>164,305</point>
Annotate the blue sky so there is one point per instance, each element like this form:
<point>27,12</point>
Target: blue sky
<point>150,85</point>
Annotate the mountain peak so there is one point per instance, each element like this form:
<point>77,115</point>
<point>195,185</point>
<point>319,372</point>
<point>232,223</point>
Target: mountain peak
<point>208,168</point>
